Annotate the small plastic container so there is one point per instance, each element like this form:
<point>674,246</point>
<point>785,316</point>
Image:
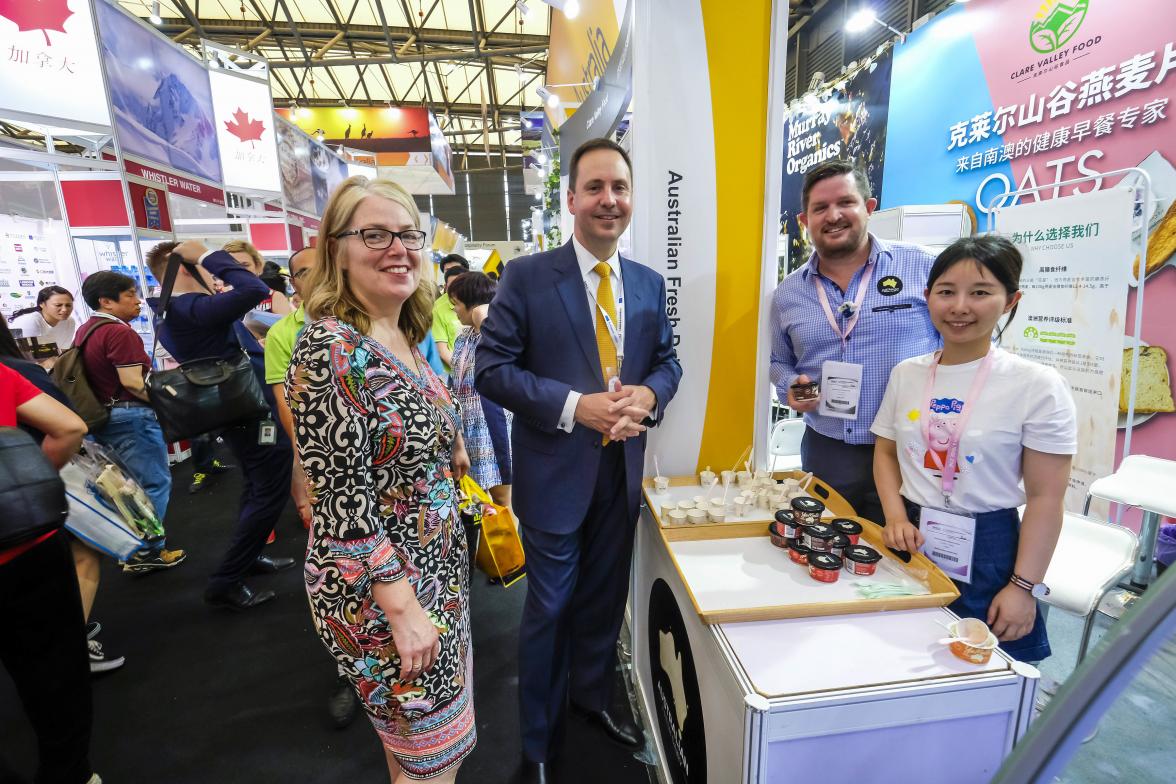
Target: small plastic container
<point>808,391</point>
<point>861,560</point>
<point>840,542</point>
<point>697,516</point>
<point>728,477</point>
<point>808,510</point>
<point>824,567</point>
<point>717,514</point>
<point>686,505</point>
<point>743,477</point>
<point>777,539</point>
<point>667,509</point>
<point>700,500</point>
<point>788,525</point>
<point>968,650</point>
<point>819,538</point>
<point>851,528</point>
<point>678,517</point>
<point>661,484</point>
<point>798,552</point>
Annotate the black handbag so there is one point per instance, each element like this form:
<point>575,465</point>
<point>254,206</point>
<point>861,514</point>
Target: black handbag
<point>32,494</point>
<point>202,395</point>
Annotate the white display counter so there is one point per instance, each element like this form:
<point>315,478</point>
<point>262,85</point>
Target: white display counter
<point>870,698</point>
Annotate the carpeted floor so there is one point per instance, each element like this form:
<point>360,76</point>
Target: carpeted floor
<point>211,696</point>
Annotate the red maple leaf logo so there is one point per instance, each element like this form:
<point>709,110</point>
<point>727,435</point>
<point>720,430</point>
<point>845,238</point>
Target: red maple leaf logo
<point>242,127</point>
<point>43,15</point>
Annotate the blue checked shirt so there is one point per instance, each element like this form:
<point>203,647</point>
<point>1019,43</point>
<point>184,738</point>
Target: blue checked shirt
<point>893,326</point>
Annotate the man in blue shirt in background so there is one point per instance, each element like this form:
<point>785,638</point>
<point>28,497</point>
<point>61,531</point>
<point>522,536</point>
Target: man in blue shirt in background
<point>856,308</point>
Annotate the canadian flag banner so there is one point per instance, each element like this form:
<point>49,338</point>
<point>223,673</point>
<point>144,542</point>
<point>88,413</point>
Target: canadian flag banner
<point>47,48</point>
<point>245,131</point>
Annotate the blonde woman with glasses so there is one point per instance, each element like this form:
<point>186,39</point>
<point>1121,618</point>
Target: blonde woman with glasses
<point>379,437</point>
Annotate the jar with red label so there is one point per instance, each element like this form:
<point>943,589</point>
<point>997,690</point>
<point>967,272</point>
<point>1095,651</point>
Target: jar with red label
<point>786,521</point>
<point>798,552</point>
<point>776,534</point>
<point>840,542</point>
<point>851,528</point>
<point>861,560</point>
<point>807,510</point>
<point>819,538</point>
<point>824,567</point>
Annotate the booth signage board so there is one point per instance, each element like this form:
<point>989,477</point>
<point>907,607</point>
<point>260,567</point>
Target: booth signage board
<point>1077,253</point>
<point>580,50</point>
<point>160,94</point>
<point>371,128</point>
<point>327,170</point>
<point>150,207</point>
<point>175,183</point>
<point>34,253</point>
<point>677,702</point>
<point>442,154</point>
<point>977,108</point>
<point>294,167</point>
<point>602,109</point>
<point>848,125</point>
<point>50,71</point>
<point>243,109</point>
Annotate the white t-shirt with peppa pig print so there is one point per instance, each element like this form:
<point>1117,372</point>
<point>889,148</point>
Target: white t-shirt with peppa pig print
<point>1023,404</point>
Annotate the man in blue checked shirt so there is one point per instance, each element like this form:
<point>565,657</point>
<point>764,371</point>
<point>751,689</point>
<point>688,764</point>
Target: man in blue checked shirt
<point>845,319</point>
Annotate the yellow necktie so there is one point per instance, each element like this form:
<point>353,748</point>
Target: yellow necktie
<point>604,340</point>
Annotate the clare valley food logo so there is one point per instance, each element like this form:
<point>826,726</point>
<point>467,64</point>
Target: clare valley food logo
<point>677,701</point>
<point>1055,23</point>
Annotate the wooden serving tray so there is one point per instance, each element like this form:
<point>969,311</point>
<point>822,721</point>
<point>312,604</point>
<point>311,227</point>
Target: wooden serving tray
<point>734,573</point>
<point>683,487</point>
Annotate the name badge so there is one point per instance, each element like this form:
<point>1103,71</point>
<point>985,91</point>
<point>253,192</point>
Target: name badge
<point>267,433</point>
<point>841,389</point>
<point>948,541</point>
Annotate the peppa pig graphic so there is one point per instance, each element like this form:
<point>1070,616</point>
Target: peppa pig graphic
<point>942,426</point>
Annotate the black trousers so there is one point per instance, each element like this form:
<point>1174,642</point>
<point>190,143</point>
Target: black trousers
<point>576,589</point>
<point>847,468</point>
<point>266,475</point>
<point>43,648</point>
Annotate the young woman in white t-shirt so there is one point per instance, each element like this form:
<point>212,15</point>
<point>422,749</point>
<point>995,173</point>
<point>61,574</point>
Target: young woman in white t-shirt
<point>50,320</point>
<point>967,435</point>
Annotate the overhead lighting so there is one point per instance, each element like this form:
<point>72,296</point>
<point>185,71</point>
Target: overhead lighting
<point>155,18</point>
<point>394,111</point>
<point>521,7</point>
<point>320,135</point>
<point>541,157</point>
<point>571,9</point>
<point>861,20</point>
<point>548,97</point>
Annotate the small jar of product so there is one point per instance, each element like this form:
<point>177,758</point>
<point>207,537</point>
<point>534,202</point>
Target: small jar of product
<point>678,517</point>
<point>741,506</point>
<point>700,500</point>
<point>743,478</point>
<point>797,552</point>
<point>697,516</point>
<point>728,477</point>
<point>808,510</point>
<point>706,478</point>
<point>667,509</point>
<point>790,528</point>
<point>861,560</point>
<point>819,538</point>
<point>717,514</point>
<point>686,505</point>
<point>824,567</point>
<point>661,484</point>
<point>851,528</point>
<point>776,534</point>
<point>840,542</point>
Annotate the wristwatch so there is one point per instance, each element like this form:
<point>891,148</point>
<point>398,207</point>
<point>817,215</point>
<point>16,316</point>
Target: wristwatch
<point>1036,590</point>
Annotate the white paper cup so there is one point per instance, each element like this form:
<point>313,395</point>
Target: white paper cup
<point>661,484</point>
<point>668,509</point>
<point>677,516</point>
<point>728,477</point>
<point>686,506</point>
<point>698,516</point>
<point>718,515</point>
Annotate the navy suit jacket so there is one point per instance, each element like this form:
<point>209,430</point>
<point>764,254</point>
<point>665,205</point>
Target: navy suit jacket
<point>538,344</point>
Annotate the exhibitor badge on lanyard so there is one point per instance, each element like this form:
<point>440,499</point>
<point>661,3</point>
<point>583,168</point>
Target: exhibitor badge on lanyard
<point>841,382</point>
<point>949,538</point>
<point>616,333</point>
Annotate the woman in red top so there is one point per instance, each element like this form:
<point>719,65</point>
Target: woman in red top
<point>43,647</point>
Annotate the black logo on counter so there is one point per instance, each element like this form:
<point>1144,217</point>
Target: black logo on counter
<point>677,702</point>
<point>889,286</point>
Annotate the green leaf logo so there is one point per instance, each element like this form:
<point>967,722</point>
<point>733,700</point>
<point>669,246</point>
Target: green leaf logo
<point>1055,24</point>
<point>1030,332</point>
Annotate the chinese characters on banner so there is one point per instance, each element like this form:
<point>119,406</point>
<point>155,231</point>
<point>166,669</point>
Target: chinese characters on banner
<point>47,49</point>
<point>243,113</point>
<point>1071,316</point>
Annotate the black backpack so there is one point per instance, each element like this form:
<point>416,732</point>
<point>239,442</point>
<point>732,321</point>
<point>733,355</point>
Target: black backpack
<point>70,375</point>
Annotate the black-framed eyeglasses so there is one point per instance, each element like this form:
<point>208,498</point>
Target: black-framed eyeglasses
<point>298,275</point>
<point>381,239</point>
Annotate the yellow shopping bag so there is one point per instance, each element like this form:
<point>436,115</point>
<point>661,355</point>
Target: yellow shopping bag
<point>500,551</point>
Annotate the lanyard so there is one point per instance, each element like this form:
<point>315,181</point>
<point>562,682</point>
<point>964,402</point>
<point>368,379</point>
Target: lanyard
<point>616,331</point>
<point>948,467</point>
<point>863,285</point>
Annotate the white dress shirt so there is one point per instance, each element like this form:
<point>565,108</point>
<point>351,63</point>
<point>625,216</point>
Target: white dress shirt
<point>588,262</point>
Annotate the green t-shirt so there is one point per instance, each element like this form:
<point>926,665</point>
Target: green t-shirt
<point>446,327</point>
<point>279,345</point>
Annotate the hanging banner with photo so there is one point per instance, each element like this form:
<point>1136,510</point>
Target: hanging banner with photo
<point>294,167</point>
<point>49,51</point>
<point>1071,315</point>
<point>848,124</point>
<point>161,96</point>
<point>998,95</point>
<point>244,116</point>
<point>326,170</point>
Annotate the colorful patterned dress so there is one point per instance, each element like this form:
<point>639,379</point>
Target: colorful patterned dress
<point>485,425</point>
<point>375,438</point>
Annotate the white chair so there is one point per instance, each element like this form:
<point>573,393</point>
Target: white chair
<point>1089,561</point>
<point>785,444</point>
<point>1146,483</point>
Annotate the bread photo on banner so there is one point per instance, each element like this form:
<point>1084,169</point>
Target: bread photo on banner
<point>1153,391</point>
<point>1161,244</point>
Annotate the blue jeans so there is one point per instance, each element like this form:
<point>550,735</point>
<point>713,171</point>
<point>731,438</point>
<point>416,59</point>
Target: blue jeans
<point>134,435</point>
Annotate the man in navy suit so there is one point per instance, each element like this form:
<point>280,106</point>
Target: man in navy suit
<point>578,345</point>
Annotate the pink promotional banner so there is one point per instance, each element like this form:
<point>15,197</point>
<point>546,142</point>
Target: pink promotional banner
<point>999,95</point>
